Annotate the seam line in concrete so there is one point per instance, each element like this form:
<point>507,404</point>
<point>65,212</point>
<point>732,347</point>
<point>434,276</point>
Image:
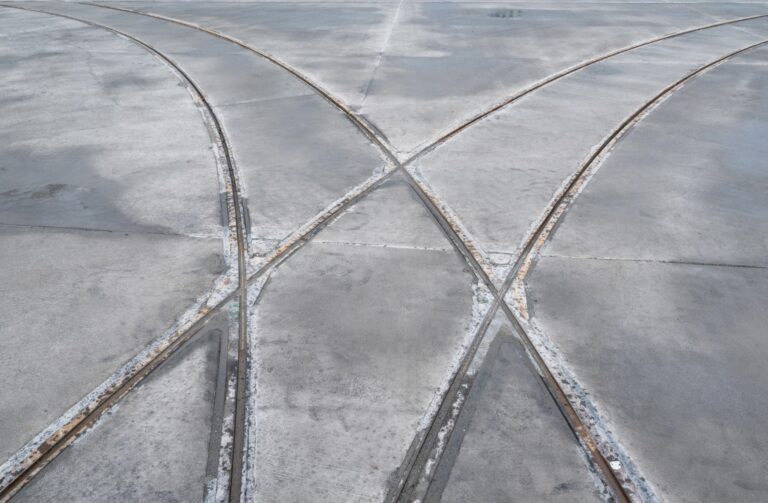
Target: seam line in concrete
<point>384,245</point>
<point>381,53</point>
<point>656,261</point>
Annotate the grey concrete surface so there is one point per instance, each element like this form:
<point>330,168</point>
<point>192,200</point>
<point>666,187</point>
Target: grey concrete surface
<point>542,140</point>
<point>287,186</point>
<point>651,292</point>
<point>78,305</point>
<point>103,242</point>
<point>342,388</point>
<point>436,63</point>
<point>264,111</point>
<point>654,289</point>
<point>515,444</point>
<point>154,445</point>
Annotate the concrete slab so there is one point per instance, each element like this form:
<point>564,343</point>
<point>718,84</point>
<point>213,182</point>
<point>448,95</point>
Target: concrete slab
<point>72,96</point>
<point>727,10</point>
<point>353,345</point>
<point>154,445</point>
<point>392,216</point>
<point>287,186</point>
<point>101,250</point>
<point>690,178</point>
<point>511,442</point>
<point>540,142</point>
<point>446,62</point>
<point>661,313</point>
<point>80,304</point>
<point>335,43</point>
<point>673,356</point>
<point>26,28</point>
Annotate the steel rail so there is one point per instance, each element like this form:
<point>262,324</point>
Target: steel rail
<point>462,247</point>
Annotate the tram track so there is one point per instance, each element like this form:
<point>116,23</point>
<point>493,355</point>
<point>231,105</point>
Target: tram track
<point>46,449</point>
<point>461,243</point>
<point>620,482</point>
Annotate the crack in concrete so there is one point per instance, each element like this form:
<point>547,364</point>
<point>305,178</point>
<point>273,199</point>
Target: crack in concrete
<point>384,47</point>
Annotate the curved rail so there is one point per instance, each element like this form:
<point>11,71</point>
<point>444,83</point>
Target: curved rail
<point>63,437</point>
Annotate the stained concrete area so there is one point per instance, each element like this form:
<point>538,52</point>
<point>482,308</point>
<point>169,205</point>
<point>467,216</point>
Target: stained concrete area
<point>264,111</point>
<point>117,230</point>
<point>104,242</point>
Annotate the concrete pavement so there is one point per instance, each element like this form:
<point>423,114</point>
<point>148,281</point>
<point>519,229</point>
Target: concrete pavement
<point>380,365</point>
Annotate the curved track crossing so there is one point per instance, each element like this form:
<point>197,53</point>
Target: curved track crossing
<point>622,488</point>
